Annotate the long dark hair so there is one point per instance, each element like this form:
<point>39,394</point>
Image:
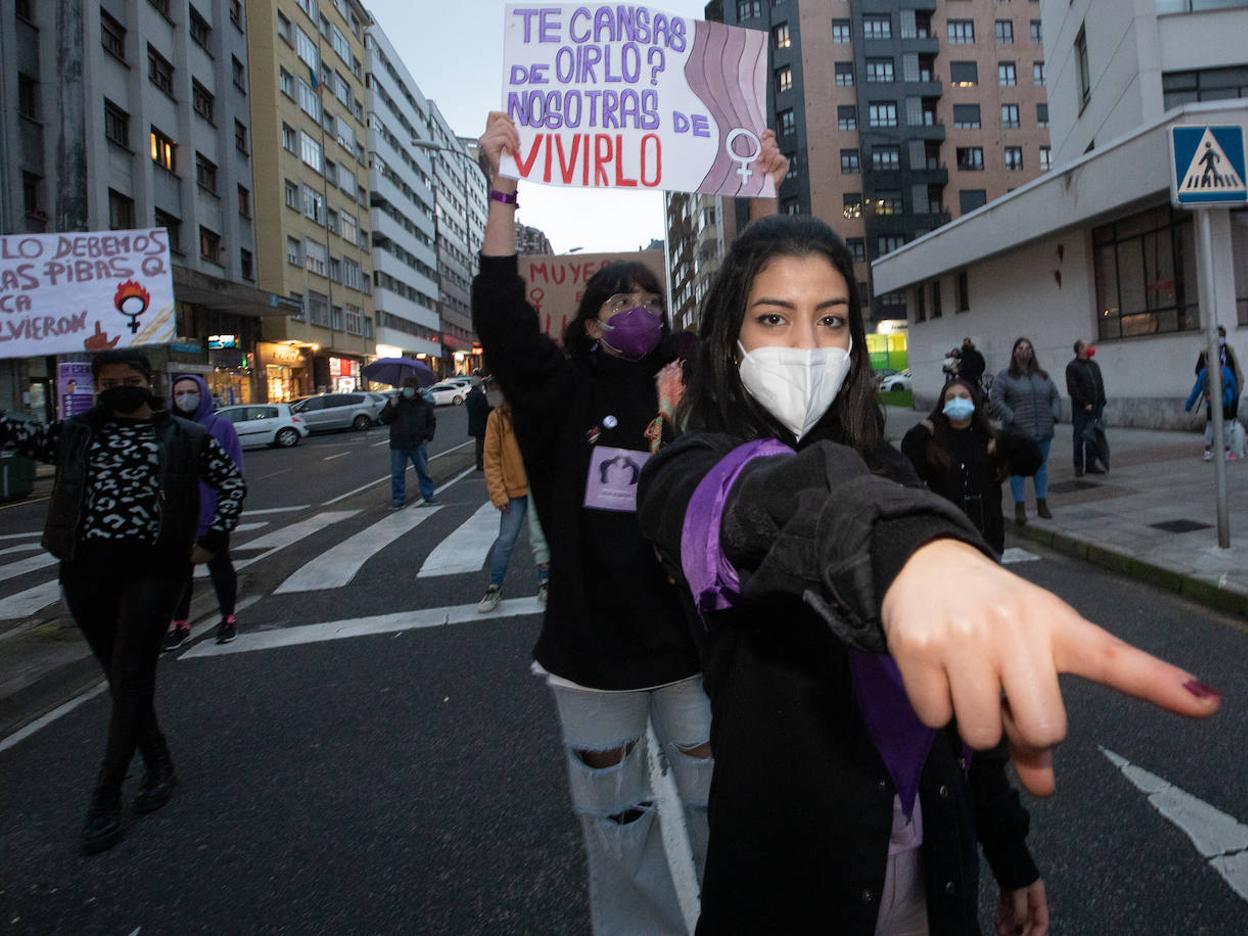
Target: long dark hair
<point>938,445</point>
<point>629,276</point>
<point>1033,366</point>
<point>715,399</point>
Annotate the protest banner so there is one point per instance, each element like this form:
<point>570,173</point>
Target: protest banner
<point>626,96</point>
<point>91,291</point>
<point>555,283</point>
<point>75,388</point>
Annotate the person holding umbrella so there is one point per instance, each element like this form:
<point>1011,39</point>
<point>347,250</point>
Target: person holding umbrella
<point>412,424</point>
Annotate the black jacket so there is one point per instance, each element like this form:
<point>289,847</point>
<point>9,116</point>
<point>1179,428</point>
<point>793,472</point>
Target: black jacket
<point>478,408</point>
<point>1084,384</point>
<point>613,620</point>
<point>412,422</point>
<point>801,805</point>
<point>971,365</point>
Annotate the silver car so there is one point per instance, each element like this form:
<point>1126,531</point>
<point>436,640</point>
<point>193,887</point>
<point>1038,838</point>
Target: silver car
<point>327,411</point>
<point>265,424</point>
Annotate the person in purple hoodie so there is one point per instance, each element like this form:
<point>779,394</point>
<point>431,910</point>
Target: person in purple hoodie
<point>192,400</point>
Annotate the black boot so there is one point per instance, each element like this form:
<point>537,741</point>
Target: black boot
<point>1020,513</point>
<point>1042,509</point>
<point>102,829</point>
<point>158,776</point>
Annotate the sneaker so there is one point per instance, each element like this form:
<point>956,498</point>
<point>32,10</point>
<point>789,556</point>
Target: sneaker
<point>430,502</point>
<point>541,593</point>
<point>489,601</point>
<point>397,505</point>
<point>177,635</point>
<point>1208,456</point>
<point>227,630</point>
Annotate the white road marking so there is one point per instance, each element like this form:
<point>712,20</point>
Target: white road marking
<point>1218,837</point>
<point>382,442</point>
<point>465,549</point>
<point>339,455</point>
<point>210,620</point>
<point>286,536</point>
<point>274,474</point>
<point>1017,554</point>
<point>245,527</point>
<point>29,564</point>
<point>273,510</point>
<point>675,833</point>
<point>8,536</point>
<point>45,720</point>
<point>26,603</point>
<point>21,547</point>
<point>432,458</point>
<point>250,641</point>
<point>339,565</point>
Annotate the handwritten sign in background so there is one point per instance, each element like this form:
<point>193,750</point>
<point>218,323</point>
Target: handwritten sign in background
<point>626,96</point>
<point>92,291</point>
<point>555,283</point>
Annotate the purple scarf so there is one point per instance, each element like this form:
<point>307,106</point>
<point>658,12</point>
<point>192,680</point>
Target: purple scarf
<point>901,739</point>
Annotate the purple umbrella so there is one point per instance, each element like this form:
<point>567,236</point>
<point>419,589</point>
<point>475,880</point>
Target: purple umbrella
<point>394,370</point>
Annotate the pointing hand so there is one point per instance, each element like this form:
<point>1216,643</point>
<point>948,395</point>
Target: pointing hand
<point>100,341</point>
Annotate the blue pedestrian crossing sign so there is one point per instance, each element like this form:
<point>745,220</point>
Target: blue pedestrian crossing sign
<point>1207,166</point>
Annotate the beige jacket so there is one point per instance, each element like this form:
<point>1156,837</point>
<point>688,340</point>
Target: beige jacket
<point>504,468</point>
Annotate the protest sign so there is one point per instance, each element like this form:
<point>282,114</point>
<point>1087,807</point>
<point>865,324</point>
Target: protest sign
<point>554,284</point>
<point>75,388</point>
<point>625,96</point>
<point>90,291</point>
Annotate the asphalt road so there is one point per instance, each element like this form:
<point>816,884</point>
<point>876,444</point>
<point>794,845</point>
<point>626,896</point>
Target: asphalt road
<point>384,771</point>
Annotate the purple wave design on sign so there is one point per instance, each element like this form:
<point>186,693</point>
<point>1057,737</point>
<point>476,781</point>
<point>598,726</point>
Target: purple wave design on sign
<point>721,63</point>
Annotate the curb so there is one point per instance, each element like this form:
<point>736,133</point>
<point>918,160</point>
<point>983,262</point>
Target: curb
<point>1211,596</point>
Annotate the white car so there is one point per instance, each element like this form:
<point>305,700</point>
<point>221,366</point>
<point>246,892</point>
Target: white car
<point>448,392</point>
<point>266,424</point>
<point>896,382</point>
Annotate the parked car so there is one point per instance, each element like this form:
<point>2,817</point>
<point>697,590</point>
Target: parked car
<point>327,411</point>
<point>266,424</point>
<point>448,391</point>
<point>883,373</point>
<point>896,382</point>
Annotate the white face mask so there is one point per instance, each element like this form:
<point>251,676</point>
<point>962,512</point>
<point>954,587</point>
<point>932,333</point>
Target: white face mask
<point>795,385</point>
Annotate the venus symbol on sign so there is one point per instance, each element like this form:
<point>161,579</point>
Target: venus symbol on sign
<point>743,169</point>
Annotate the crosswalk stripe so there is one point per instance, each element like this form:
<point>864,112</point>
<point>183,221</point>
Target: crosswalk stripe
<point>361,627</point>
<point>273,510</point>
<point>340,564</point>
<point>29,564</point>
<point>9,536</point>
<point>23,547</point>
<point>24,603</point>
<point>246,527</point>
<point>1018,554</point>
<point>465,549</point>
<point>286,536</point>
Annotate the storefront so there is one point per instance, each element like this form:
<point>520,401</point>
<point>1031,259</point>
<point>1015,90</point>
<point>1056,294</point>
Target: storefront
<point>285,371</point>
<point>233,376</point>
<point>344,374</point>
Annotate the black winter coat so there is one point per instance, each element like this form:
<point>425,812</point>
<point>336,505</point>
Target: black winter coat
<point>1085,385</point>
<point>412,422</point>
<point>613,620</point>
<point>801,804</point>
<point>478,408</point>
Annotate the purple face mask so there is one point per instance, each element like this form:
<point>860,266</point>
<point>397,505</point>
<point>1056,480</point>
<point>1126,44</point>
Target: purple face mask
<point>633,333</point>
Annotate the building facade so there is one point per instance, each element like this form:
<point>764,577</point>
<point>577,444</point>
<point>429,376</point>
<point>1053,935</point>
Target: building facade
<point>530,240</point>
<point>312,191</point>
<point>695,246</point>
<point>131,115</point>
<point>404,231</point>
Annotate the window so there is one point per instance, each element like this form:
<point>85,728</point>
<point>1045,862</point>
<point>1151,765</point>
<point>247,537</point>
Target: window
<point>340,44</point>
<point>970,199</point>
<point>352,275</point>
<point>292,195</point>
<point>116,124</point>
<point>1145,271</point>
<point>966,116</point>
<point>203,100</point>
<point>306,49</point>
<point>246,265</point>
<point>1081,57</point>
<point>27,96</point>
<point>313,204</point>
<point>1014,158</point>
<point>350,228</point>
<point>1007,74</point>
<point>749,9</point>
<point>858,248</point>
<point>164,150</point>
<point>784,79</point>
<point>310,151</point>
<point>851,206</point>
<point>886,158</point>
<point>780,36</point>
<point>209,245</point>
<point>964,74</point>
<point>964,292</point>
<point>887,204</point>
<point>970,158</point>
<point>285,29</point>
<point>290,139</point>
<point>205,173</point>
<point>920,303</point>
<point>315,257</point>
<point>788,122</point>
<point>882,114</point>
<point>1004,32</point>
<point>285,82</point>
<point>240,75</point>
<point>162,6</point>
<point>1037,74</point>
<point>159,70</point>
<point>30,195</point>
<point>1046,158</point>
<point>1208,84</point>
<point>877,27</point>
<point>879,71</point>
<point>790,206</point>
<point>936,299</point>
<point>961,32</point>
<point>846,117</point>
<point>173,226</point>
<point>240,137</point>
<point>849,162</point>
<point>1036,35</point>
<point>1009,116</point>
<point>842,32</point>
<point>120,212</point>
<point>887,243</point>
<point>294,251</point>
<point>844,74</point>
<point>199,29</point>
<point>112,36</point>
<point>309,100</point>
<point>236,13</point>
<point>244,201</point>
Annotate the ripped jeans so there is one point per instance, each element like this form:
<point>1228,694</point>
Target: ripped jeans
<point>630,884</point>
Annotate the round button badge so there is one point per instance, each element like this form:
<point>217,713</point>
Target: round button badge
<point>610,422</point>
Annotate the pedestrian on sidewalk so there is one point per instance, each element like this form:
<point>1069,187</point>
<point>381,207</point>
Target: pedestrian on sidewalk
<point>412,424</point>
<point>508,486</point>
<point>1230,395</point>
<point>478,406</point>
<point>123,519</point>
<point>971,364</point>
<point>1026,400</point>
<point>955,452</point>
<point>191,399</point>
<point>616,647</point>
<point>1087,403</point>
<point>1228,358</point>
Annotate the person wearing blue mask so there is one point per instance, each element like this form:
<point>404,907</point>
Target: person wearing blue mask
<point>955,452</point>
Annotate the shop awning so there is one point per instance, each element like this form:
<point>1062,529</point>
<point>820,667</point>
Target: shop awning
<point>226,296</point>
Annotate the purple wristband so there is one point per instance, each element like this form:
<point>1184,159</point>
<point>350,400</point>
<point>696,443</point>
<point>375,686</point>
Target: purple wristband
<point>496,195</point>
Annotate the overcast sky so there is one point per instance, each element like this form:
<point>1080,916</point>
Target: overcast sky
<point>454,50</point>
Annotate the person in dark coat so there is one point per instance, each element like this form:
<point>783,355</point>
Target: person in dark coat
<point>1226,354</point>
<point>478,406</point>
<point>1087,402</point>
<point>412,425</point>
<point>845,800</point>
<point>971,363</point>
<point>958,456</point>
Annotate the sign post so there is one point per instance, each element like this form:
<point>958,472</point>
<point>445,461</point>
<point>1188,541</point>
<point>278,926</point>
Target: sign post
<point>1207,174</point>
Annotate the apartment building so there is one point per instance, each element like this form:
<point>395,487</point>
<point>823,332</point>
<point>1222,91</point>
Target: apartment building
<point>404,228</point>
<point>133,114</point>
<point>312,191</point>
<point>696,243</point>
<point>531,240</point>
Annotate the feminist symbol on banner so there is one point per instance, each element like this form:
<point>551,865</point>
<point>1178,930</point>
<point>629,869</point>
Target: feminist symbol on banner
<point>743,169</point>
<point>132,300</point>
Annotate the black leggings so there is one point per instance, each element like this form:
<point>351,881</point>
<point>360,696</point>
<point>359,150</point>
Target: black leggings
<point>123,612</point>
<point>224,583</point>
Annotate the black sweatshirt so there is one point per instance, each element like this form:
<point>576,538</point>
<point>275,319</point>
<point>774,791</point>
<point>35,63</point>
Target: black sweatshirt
<point>613,619</point>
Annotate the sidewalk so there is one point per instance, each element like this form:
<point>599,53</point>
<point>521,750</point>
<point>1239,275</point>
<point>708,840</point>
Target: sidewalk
<point>1153,517</point>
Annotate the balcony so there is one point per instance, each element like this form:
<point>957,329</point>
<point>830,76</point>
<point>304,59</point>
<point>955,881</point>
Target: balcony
<point>930,173</point>
<point>929,129</point>
<point>924,43</point>
<point>927,87</point>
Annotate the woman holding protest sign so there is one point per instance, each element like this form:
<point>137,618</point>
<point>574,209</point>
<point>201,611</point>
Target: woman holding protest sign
<point>616,646</point>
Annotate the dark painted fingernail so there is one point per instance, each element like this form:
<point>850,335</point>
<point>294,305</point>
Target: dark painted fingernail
<point>1200,690</point>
